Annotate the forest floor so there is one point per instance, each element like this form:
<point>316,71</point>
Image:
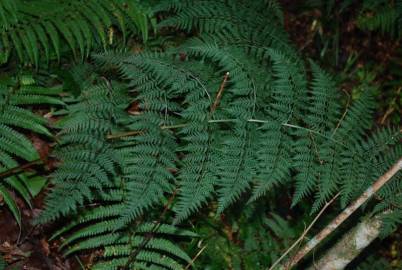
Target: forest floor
<point>30,248</point>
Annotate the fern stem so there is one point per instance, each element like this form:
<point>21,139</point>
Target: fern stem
<point>219,93</point>
<point>283,124</point>
<point>150,235</point>
<point>138,132</point>
<point>312,131</point>
<point>19,169</point>
<point>343,115</point>
<point>335,223</point>
<point>174,126</point>
<point>214,106</point>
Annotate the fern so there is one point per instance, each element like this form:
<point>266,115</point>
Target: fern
<point>97,228</point>
<point>225,118</point>
<point>288,88</point>
<point>16,95</point>
<point>153,75</point>
<point>35,28</point>
<point>321,117</point>
<point>383,16</point>
<point>89,161</point>
<point>374,263</point>
<point>3,263</point>
<point>150,162</point>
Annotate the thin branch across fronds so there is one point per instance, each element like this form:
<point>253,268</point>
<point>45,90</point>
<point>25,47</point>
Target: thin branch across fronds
<point>370,191</point>
<point>305,232</point>
<point>195,257</point>
<point>343,115</point>
<point>219,93</point>
<point>138,132</point>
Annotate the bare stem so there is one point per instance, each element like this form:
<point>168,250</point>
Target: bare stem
<point>138,132</point>
<point>335,223</point>
<point>220,92</point>
<point>195,257</point>
<point>305,232</point>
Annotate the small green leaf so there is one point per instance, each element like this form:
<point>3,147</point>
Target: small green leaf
<point>11,204</point>
<point>35,184</point>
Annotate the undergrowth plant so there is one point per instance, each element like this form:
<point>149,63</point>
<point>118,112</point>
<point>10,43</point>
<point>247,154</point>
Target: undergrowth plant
<point>153,146</point>
<point>227,118</point>
<point>33,33</point>
<point>17,96</point>
<point>383,16</point>
<point>39,31</point>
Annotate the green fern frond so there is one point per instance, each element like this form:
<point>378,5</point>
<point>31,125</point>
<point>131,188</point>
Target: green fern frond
<point>100,227</point>
<point>36,26</point>
<point>8,13</point>
<point>89,161</point>
<point>229,111</point>
<point>288,88</point>
<point>384,16</point>
<point>321,116</point>
<point>14,116</point>
<point>236,163</point>
<point>150,156</point>
<point>274,160</point>
<point>351,129</point>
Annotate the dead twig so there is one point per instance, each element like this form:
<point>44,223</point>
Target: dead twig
<point>219,93</point>
<point>304,232</point>
<point>195,257</point>
<point>370,191</point>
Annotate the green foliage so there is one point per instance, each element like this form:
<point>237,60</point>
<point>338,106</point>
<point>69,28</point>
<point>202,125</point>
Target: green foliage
<point>249,241</point>
<point>33,29</point>
<point>89,161</point>
<point>219,123</point>
<point>382,15</point>
<point>16,97</point>
<point>98,227</point>
<point>112,176</point>
<point>374,263</point>
<point>3,263</point>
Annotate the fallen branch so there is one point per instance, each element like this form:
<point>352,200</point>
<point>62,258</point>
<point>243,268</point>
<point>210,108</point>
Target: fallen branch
<point>350,245</point>
<point>344,215</point>
<point>301,238</point>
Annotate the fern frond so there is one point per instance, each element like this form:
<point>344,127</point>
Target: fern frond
<point>100,227</point>
<point>150,162</point>
<point>288,88</point>
<point>381,15</point>
<point>322,116</point>
<point>351,129</point>
<point>236,162</point>
<point>14,116</point>
<point>36,26</point>
<point>89,161</point>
